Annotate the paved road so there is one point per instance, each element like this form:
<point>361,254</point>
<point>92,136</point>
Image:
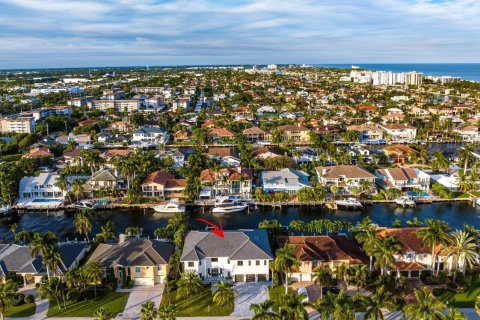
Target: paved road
<point>247,294</point>
<point>138,296</point>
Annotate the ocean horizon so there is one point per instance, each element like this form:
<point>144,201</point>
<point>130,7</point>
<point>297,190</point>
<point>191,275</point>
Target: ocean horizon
<point>466,71</point>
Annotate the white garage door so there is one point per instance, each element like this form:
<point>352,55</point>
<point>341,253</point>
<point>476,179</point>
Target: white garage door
<point>143,281</point>
<point>159,279</point>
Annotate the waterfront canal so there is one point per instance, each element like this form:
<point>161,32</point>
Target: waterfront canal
<point>61,223</point>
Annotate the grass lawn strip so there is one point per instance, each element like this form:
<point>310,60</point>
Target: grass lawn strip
<point>23,311</point>
<point>200,305</point>
<point>462,300</point>
<point>112,301</point>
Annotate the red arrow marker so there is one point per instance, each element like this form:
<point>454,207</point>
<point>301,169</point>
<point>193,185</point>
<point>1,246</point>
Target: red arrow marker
<point>216,229</point>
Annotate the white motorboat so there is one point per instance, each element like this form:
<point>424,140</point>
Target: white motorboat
<point>227,205</point>
<point>405,201</point>
<point>85,205</point>
<point>349,203</point>
<point>478,202</point>
<point>173,206</point>
<point>4,210</point>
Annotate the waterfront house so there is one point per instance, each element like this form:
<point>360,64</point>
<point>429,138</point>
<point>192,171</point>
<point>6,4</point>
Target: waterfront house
<point>367,132</point>
<point>162,184</point>
<point>217,134</point>
<point>399,153</point>
<point>177,157</point>
<point>17,258</point>
<point>242,256</point>
<point>144,261</point>
<point>224,182</point>
<point>304,155</point>
<point>265,152</point>
<point>105,179</point>
<point>346,177</point>
<point>413,258</point>
<point>322,252</point>
<point>256,134</point>
<point>228,156</point>
<point>287,180</point>
<point>399,131</point>
<point>294,133</point>
<point>402,178</point>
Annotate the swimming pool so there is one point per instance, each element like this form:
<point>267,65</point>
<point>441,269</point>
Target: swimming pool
<point>47,200</point>
<point>419,194</point>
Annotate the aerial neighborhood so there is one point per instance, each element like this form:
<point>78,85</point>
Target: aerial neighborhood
<point>265,192</point>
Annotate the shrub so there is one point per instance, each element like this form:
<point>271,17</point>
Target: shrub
<point>437,291</point>
<point>29,299</point>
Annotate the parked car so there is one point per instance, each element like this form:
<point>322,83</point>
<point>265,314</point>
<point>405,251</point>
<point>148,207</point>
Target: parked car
<point>304,291</point>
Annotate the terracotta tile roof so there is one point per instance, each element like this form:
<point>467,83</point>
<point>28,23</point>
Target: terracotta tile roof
<point>325,248</point>
<point>87,122</point>
<point>408,266</point>
<point>254,130</point>
<point>176,183</point>
<point>349,171</point>
<point>223,152</point>
<point>397,126</point>
<point>38,152</point>
<point>409,239</point>
<point>158,177</point>
<point>399,149</point>
<point>233,174</point>
<point>208,124</point>
<point>117,153</point>
<point>291,127</point>
<point>400,174</point>
<point>265,149</point>
<point>221,132</point>
<point>363,127</point>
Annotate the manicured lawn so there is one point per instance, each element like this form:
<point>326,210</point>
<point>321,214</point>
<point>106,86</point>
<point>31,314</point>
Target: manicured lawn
<point>26,310</point>
<point>112,301</point>
<point>460,195</point>
<point>200,305</point>
<point>462,300</point>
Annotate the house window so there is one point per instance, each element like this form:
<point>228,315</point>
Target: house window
<point>214,260</point>
<point>137,269</point>
<point>264,262</point>
<point>199,262</point>
<point>228,261</point>
<point>191,264</point>
<point>257,262</point>
<point>249,262</point>
<point>159,268</point>
<point>240,263</point>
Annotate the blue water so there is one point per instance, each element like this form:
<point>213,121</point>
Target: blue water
<point>466,71</point>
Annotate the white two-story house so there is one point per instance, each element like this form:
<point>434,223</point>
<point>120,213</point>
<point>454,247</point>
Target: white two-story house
<point>150,135</point>
<point>399,131</point>
<point>345,177</point>
<point>242,255</point>
<point>402,178</point>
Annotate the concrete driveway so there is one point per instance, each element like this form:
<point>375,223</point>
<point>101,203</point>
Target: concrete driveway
<point>247,294</point>
<point>138,296</point>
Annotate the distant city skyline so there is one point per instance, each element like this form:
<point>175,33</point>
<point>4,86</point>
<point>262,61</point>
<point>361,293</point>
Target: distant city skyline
<point>57,34</point>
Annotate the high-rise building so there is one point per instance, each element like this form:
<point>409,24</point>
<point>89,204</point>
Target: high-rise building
<point>413,78</point>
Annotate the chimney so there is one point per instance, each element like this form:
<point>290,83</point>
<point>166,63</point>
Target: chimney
<point>121,238</point>
<point>324,171</point>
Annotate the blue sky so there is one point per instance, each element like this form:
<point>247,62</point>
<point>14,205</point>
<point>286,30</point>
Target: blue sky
<point>76,33</point>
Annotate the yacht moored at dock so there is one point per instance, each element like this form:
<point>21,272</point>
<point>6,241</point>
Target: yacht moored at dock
<point>349,203</point>
<point>173,206</point>
<point>405,201</point>
<point>228,205</point>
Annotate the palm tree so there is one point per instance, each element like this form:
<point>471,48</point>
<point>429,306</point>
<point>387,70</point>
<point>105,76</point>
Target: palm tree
<point>426,308</point>
<point>285,260</point>
<point>435,233</point>
<point>52,260</point>
<point>148,311</point>
<point>322,277</point>
<point>167,312</point>
<point>454,314</point>
<point>189,284</point>
<point>367,236</point>
<point>94,272</point>
<point>341,272</point>
<point>13,229</point>
<point>82,223</point>
<point>359,276</point>
<point>8,291</point>
<point>263,311</point>
<point>102,314</point>
<point>384,253</point>
<point>382,299</point>
<point>77,188</point>
<point>462,248</point>
<point>465,154</point>
<point>42,243</point>
<point>336,307</point>
<point>292,306</point>
<point>334,190</point>
<point>63,183</point>
<point>224,294</point>
<point>107,231</point>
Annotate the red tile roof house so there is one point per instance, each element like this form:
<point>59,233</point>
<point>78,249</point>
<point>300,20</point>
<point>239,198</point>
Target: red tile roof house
<point>322,252</point>
<point>162,184</point>
<point>218,134</point>
<point>402,178</point>
<point>237,181</point>
<point>38,152</point>
<point>254,134</point>
<point>413,258</point>
<point>346,177</point>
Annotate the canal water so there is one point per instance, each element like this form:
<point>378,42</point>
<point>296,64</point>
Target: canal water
<point>61,223</point>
